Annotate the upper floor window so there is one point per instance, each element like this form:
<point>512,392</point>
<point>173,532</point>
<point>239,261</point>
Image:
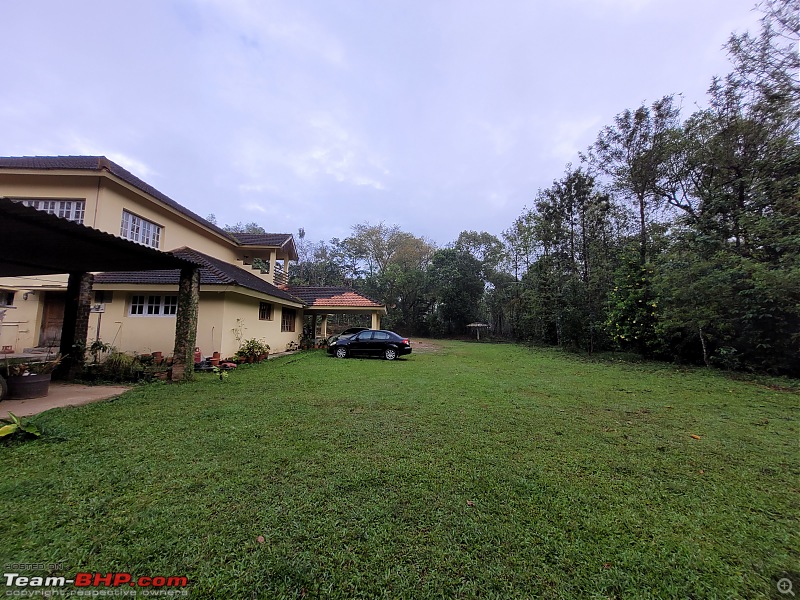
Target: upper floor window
<point>142,231</point>
<point>71,210</point>
<point>6,298</point>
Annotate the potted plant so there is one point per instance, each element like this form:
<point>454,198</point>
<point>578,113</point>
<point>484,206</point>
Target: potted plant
<point>252,350</point>
<point>30,379</point>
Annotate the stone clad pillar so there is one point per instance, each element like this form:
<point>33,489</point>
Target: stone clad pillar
<point>186,324</point>
<point>77,306</point>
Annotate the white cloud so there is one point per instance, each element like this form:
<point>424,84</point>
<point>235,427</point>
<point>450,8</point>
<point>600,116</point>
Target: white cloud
<point>256,22</point>
<point>254,207</point>
<point>573,136</point>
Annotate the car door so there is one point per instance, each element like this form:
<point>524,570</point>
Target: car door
<point>380,341</point>
<point>360,343</point>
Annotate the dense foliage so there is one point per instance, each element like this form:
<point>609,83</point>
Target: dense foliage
<point>675,237</point>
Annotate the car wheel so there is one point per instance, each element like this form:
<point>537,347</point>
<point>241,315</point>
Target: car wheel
<point>341,352</point>
<point>390,354</point>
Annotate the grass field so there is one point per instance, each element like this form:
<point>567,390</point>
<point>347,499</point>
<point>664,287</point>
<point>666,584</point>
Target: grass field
<point>464,471</point>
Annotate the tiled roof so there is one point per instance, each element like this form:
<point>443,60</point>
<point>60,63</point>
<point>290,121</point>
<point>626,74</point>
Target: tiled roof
<point>101,163</point>
<point>262,239</point>
<point>212,272</point>
<point>334,297</point>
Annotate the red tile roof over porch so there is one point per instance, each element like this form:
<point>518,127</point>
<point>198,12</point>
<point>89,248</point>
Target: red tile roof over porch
<point>334,297</point>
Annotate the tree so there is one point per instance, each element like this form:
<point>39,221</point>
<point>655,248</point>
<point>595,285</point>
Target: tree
<point>571,233</point>
<point>388,264</point>
<point>456,288</point>
<point>634,153</point>
<point>240,227</point>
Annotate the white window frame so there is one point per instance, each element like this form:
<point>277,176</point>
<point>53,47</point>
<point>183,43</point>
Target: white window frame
<point>153,305</point>
<point>140,230</point>
<point>69,209</point>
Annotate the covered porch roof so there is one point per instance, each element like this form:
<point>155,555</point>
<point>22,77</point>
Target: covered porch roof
<point>325,300</point>
<point>37,243</point>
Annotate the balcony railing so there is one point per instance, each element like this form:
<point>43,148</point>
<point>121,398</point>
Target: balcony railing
<point>281,278</point>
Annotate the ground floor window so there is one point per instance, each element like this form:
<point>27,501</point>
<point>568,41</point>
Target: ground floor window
<point>264,311</point>
<point>153,305</point>
<point>288,317</point>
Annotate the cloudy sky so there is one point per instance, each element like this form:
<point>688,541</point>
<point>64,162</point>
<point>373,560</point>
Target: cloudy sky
<point>435,115</point>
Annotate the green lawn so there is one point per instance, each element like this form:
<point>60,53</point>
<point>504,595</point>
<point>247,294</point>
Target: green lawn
<point>491,471</point>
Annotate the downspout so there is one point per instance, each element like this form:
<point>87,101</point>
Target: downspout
<point>96,203</point>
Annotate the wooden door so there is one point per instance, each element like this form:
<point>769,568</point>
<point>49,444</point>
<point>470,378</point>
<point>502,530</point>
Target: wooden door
<point>52,319</point>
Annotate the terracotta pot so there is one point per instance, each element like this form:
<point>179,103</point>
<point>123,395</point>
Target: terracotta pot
<point>215,362</point>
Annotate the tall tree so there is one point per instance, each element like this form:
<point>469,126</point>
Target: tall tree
<point>634,153</point>
<point>390,265</point>
<point>456,288</point>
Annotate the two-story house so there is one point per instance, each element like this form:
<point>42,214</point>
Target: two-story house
<point>240,297</point>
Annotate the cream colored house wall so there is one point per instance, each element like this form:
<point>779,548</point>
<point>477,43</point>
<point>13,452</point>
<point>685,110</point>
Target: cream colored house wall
<point>241,312</point>
<point>105,198</point>
<point>217,320</point>
<point>19,328</point>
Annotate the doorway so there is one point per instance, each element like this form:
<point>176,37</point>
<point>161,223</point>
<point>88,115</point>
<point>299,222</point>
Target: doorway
<point>52,319</point>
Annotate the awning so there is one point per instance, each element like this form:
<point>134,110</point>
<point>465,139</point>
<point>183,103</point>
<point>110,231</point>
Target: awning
<point>33,242</point>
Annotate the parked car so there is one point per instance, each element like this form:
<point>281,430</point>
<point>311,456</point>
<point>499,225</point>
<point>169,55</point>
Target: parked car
<point>349,332</point>
<point>380,342</point>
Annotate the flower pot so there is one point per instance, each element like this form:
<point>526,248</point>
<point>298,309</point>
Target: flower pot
<point>215,362</point>
<point>28,386</point>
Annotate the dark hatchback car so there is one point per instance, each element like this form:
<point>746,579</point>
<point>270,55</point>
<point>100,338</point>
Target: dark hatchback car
<point>383,343</point>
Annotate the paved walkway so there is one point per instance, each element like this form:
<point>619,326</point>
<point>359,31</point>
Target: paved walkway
<point>61,394</point>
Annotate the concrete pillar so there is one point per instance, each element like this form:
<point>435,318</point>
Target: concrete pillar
<point>77,306</point>
<point>376,320</point>
<point>186,324</point>
<point>324,327</point>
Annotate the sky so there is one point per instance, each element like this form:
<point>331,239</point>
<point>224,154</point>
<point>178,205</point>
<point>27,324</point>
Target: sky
<point>438,116</point>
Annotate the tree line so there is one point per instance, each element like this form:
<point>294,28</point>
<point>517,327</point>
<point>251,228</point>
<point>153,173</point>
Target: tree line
<point>674,237</point>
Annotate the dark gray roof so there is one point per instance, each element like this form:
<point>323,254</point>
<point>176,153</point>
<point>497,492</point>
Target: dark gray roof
<point>262,239</point>
<point>101,163</point>
<point>212,272</point>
